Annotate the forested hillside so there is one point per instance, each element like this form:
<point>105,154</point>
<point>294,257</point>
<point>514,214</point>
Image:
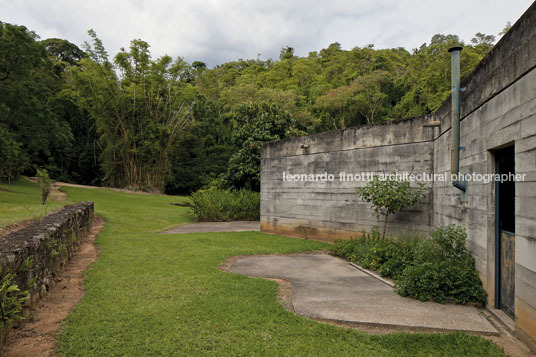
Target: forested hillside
<point>167,125</point>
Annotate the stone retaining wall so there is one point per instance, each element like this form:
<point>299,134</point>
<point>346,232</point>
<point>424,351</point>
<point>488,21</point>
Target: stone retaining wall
<point>36,253</point>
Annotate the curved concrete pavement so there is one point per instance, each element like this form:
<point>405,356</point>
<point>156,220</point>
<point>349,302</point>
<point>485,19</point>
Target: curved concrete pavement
<point>202,227</point>
<point>326,287</point>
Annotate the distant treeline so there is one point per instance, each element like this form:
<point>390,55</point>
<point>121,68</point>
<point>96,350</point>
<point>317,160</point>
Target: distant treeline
<point>168,125</point>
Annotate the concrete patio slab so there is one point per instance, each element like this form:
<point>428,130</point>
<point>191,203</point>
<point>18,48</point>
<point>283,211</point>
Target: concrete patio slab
<point>328,288</point>
<point>237,226</point>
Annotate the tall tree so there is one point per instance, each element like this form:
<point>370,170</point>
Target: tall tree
<point>255,124</point>
<point>34,134</point>
<point>138,113</point>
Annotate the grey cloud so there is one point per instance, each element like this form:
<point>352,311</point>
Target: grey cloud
<point>218,31</point>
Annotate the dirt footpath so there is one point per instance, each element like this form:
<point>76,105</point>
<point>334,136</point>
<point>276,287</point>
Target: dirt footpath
<point>123,190</point>
<point>38,335</point>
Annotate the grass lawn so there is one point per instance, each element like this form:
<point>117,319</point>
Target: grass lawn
<point>21,200</point>
<point>163,295</point>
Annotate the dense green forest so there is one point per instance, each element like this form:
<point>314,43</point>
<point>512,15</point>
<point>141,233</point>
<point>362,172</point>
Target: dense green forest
<point>171,126</point>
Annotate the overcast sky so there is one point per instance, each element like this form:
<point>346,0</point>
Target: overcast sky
<point>217,31</point>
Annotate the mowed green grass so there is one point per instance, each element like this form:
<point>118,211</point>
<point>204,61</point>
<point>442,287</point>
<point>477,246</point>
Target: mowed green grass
<point>150,294</point>
<point>21,200</point>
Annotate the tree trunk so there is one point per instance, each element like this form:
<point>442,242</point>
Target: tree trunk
<point>385,224</point>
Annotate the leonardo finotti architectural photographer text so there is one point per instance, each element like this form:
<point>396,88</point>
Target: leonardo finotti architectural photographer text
<point>402,176</point>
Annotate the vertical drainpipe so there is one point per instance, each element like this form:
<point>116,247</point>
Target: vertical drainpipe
<point>455,117</point>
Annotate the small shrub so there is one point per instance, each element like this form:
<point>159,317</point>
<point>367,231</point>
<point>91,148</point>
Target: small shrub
<point>44,184</point>
<point>11,299</point>
<point>389,255</point>
<point>225,205</point>
<point>354,247</point>
<point>389,196</point>
<point>443,270</point>
<point>399,254</point>
<point>27,264</point>
<point>440,268</point>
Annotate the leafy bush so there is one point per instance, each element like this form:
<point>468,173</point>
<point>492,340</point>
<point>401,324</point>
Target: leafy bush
<point>389,196</point>
<point>443,270</point>
<point>440,268</point>
<point>44,184</point>
<point>398,254</point>
<point>357,250</point>
<point>11,299</point>
<point>389,255</point>
<point>225,205</point>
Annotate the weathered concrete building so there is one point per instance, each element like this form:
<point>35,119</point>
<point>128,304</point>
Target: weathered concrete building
<point>498,135</point>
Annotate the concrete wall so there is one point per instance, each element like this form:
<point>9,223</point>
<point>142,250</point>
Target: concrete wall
<point>36,253</point>
<point>331,210</point>
<point>498,108</point>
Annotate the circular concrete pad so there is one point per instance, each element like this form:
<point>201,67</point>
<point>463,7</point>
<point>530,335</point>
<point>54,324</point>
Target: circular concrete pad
<point>329,288</point>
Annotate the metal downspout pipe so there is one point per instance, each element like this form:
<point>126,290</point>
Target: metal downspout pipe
<point>455,122</point>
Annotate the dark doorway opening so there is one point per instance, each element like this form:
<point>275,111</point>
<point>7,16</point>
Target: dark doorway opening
<point>505,232</point>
